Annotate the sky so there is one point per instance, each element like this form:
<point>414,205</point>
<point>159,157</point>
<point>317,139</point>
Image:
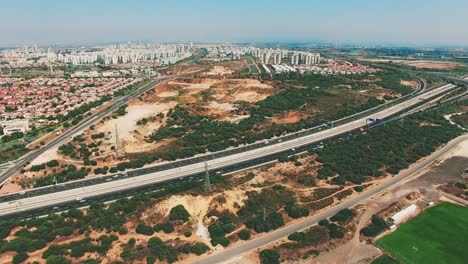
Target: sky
<point>392,22</point>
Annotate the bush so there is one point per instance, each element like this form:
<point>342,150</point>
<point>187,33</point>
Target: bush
<point>272,221</point>
<point>52,163</point>
<point>123,230</point>
<point>460,185</point>
<point>244,234</point>
<point>187,234</point>
<point>324,222</point>
<point>268,256</point>
<point>199,249</point>
<point>343,216</point>
<point>335,231</point>
<point>179,213</point>
<point>57,260</point>
<point>221,240</point>
<point>359,188</point>
<point>295,211</point>
<point>20,257</point>
<point>377,226</point>
<point>38,167</point>
<point>167,227</point>
<point>144,229</point>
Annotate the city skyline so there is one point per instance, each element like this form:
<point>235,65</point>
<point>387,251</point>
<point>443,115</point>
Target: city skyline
<point>416,23</point>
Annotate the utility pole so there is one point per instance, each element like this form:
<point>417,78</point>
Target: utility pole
<point>207,179</point>
<point>116,142</point>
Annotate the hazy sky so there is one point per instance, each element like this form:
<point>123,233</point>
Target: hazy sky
<point>405,22</point>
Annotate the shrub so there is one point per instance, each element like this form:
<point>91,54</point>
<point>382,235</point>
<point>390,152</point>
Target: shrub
<point>57,260</point>
<point>179,213</point>
<point>144,229</point>
<point>335,231</point>
<point>20,257</point>
<point>343,216</point>
<point>187,234</point>
<point>359,188</point>
<point>268,256</point>
<point>377,226</point>
<point>460,185</point>
<point>199,249</point>
<point>52,163</point>
<point>167,227</point>
<point>221,240</point>
<point>244,234</point>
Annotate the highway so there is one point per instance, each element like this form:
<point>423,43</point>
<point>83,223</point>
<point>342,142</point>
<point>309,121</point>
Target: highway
<point>66,136</point>
<point>236,251</point>
<point>120,183</point>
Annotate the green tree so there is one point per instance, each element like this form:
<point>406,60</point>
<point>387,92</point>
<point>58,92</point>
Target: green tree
<point>268,256</point>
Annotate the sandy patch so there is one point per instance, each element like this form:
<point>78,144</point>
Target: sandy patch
<point>249,96</point>
<point>48,155</point>
<point>290,117</point>
<point>218,71</point>
<point>412,84</point>
<point>427,64</point>
<point>197,206</point>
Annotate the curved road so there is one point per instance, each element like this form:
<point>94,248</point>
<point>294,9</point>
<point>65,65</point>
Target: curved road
<point>230,253</point>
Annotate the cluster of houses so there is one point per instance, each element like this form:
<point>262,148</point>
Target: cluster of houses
<point>45,97</point>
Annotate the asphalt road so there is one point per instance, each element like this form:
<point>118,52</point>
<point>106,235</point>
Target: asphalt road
<point>231,253</point>
<point>65,137</point>
<point>121,183</point>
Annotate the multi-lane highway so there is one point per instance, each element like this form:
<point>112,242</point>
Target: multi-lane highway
<point>230,253</point>
<point>65,137</point>
<point>120,183</point>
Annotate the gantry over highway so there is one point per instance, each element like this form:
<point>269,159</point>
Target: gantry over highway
<point>62,196</point>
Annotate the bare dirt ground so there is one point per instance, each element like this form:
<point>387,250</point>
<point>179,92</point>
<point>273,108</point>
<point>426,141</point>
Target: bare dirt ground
<point>412,84</point>
<point>218,71</point>
<point>427,64</point>
<point>290,117</point>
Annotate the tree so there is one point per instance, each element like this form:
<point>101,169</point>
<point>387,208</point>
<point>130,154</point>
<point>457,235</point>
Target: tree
<point>343,216</point>
<point>199,249</point>
<point>57,260</point>
<point>52,163</point>
<point>244,234</point>
<point>144,229</point>
<point>20,257</point>
<point>179,213</point>
<point>269,256</point>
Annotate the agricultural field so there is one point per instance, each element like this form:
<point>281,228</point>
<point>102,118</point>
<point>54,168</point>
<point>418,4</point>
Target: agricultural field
<point>438,235</point>
<point>385,260</point>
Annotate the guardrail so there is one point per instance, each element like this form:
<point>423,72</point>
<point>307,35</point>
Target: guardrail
<point>205,157</point>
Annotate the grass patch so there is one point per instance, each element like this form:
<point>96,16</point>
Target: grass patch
<point>384,260</point>
<point>438,234</point>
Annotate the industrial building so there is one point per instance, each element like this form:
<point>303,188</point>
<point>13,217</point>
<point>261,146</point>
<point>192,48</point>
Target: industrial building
<point>404,214</point>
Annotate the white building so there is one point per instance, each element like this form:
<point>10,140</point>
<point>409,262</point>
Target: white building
<point>404,214</point>
<point>15,125</point>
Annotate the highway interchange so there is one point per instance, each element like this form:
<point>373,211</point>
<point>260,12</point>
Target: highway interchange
<point>123,183</point>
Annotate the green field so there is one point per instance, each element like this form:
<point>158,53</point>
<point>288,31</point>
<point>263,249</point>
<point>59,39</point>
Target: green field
<point>384,260</point>
<point>438,235</point>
